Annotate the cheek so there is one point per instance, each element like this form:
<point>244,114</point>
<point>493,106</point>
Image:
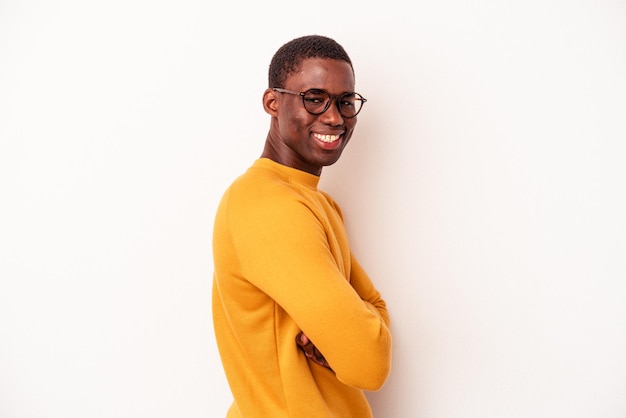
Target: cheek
<point>291,129</point>
<point>350,128</point>
<point>289,115</point>
<point>297,121</point>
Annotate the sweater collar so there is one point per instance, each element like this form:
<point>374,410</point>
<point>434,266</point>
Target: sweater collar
<point>293,174</point>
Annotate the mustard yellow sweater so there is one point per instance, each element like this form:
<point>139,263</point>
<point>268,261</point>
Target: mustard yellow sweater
<point>282,265</point>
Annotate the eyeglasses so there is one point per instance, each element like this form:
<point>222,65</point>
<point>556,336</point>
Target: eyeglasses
<point>317,101</point>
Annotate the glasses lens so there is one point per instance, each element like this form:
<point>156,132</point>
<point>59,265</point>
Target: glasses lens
<point>350,104</point>
<point>316,101</point>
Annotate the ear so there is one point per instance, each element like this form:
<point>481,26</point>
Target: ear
<point>270,102</point>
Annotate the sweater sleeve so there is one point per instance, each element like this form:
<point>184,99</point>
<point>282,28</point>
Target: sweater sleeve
<point>284,251</point>
<point>366,290</point>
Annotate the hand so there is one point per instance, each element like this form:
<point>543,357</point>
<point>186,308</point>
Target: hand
<point>310,350</point>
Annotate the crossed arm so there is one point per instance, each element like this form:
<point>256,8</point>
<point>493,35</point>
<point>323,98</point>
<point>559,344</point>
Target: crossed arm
<point>344,320</point>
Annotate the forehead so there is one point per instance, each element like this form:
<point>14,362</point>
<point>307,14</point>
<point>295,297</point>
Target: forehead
<point>322,73</point>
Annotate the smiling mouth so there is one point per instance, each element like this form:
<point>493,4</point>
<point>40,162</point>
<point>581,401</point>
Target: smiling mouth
<point>327,138</point>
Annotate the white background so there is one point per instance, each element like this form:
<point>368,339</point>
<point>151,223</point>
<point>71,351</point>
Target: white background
<point>484,190</point>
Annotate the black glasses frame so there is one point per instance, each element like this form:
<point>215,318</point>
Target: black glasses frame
<point>333,98</point>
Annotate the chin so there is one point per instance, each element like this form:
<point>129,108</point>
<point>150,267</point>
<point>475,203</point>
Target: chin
<point>331,161</point>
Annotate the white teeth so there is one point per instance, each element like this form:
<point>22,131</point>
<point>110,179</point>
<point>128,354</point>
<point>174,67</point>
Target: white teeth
<point>327,138</point>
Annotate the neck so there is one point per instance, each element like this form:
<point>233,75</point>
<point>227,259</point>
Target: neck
<point>270,151</point>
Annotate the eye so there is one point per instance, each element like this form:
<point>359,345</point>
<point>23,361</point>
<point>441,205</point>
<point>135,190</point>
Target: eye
<point>315,97</point>
<point>347,101</point>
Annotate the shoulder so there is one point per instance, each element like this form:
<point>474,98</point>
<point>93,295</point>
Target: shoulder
<point>260,192</point>
<point>260,185</point>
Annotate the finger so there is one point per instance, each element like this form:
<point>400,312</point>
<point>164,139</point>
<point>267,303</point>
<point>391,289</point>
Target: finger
<point>302,339</point>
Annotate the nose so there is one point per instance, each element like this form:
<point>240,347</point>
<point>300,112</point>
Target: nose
<point>332,116</point>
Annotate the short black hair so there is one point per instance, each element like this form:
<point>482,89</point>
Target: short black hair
<point>289,56</point>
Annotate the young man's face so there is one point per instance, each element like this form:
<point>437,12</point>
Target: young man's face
<point>305,141</point>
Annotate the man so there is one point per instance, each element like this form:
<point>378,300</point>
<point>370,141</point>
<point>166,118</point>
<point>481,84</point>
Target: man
<point>300,328</point>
